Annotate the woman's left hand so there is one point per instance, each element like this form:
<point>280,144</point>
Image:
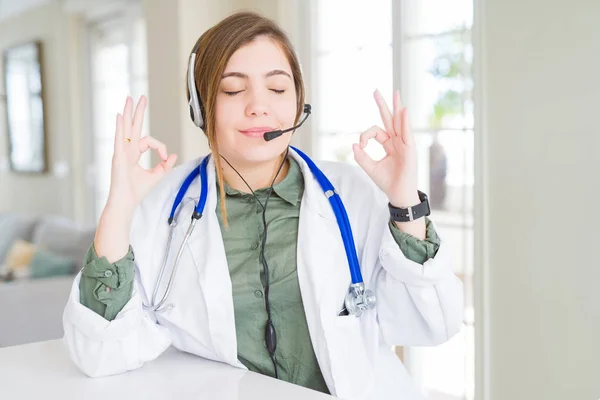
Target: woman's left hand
<point>396,173</point>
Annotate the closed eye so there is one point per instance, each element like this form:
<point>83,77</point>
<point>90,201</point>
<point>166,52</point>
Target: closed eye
<point>239,91</point>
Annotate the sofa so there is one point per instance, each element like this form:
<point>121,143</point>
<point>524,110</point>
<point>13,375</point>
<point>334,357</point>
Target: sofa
<point>33,302</point>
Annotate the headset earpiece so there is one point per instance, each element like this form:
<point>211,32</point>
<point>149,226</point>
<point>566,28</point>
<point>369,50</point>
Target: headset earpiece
<point>195,103</point>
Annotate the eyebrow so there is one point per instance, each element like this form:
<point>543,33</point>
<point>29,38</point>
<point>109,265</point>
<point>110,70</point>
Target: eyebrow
<point>244,76</point>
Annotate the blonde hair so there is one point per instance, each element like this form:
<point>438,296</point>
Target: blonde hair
<point>214,49</point>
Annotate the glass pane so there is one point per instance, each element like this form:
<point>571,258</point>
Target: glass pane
<point>436,16</point>
<point>24,109</point>
<point>346,81</point>
<point>437,84</point>
<point>451,170</point>
<point>349,24</point>
<point>110,64</point>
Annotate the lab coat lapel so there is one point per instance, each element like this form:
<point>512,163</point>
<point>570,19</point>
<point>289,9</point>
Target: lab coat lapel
<point>324,278</point>
<point>208,253</point>
<point>320,249</point>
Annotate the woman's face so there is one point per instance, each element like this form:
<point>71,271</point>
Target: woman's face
<point>256,95</point>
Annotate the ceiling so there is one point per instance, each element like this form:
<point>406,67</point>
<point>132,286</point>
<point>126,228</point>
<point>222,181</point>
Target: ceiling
<point>9,8</point>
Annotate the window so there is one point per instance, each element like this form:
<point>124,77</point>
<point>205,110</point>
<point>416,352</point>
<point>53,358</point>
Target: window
<point>118,68</point>
<point>422,47</point>
<point>350,63</point>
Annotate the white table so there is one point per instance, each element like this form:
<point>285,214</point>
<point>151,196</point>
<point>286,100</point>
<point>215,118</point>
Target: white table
<point>44,370</point>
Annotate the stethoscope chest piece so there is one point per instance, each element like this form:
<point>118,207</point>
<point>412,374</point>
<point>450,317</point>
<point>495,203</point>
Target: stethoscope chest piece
<point>359,300</point>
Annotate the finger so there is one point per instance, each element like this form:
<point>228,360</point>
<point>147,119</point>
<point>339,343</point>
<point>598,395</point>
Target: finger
<point>384,111</point>
<point>407,135</point>
<point>170,163</point>
<point>138,118</point>
<point>127,117</point>
<point>148,142</point>
<point>363,159</point>
<point>119,133</point>
<point>165,166</point>
<point>374,132</point>
<point>397,118</point>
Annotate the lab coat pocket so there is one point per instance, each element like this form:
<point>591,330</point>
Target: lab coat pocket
<point>351,368</point>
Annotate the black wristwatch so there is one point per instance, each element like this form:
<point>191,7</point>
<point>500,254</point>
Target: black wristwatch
<point>411,213</point>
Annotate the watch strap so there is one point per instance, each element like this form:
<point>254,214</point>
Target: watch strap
<point>411,213</point>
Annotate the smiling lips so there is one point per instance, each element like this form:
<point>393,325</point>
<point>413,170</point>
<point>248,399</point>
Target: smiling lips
<point>257,131</point>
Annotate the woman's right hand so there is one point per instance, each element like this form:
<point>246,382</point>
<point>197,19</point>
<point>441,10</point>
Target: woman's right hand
<point>129,181</point>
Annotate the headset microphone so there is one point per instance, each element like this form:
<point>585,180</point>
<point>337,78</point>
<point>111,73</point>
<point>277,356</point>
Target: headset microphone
<point>275,134</point>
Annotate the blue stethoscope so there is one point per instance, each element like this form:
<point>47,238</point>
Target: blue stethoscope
<point>358,299</point>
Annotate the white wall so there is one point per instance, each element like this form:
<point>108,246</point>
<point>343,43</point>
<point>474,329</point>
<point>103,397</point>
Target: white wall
<point>10,8</point>
<point>540,77</point>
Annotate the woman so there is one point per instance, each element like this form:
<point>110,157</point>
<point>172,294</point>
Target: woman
<point>262,280</point>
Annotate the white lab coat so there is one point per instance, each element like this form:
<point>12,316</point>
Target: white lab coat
<point>417,305</point>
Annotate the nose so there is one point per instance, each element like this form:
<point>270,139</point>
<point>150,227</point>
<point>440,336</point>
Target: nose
<point>257,104</point>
